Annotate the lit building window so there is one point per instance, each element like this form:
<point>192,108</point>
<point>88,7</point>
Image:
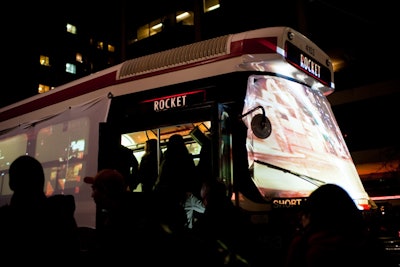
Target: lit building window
<point>110,48</point>
<point>143,32</point>
<point>71,28</point>
<point>185,18</point>
<point>210,5</point>
<point>43,88</point>
<point>44,61</point>
<point>78,57</point>
<point>156,26</point>
<point>100,45</point>
<point>150,29</point>
<point>70,68</point>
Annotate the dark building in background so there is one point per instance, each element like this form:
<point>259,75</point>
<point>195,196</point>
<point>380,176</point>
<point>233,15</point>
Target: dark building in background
<point>57,43</point>
<point>52,44</point>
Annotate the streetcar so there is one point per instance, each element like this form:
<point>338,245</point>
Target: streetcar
<point>259,97</point>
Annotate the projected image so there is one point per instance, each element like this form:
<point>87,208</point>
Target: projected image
<point>305,148</point>
<point>11,148</point>
<point>65,145</point>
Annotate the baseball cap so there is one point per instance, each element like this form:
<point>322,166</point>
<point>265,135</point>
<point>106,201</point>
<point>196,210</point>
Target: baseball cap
<point>108,180</point>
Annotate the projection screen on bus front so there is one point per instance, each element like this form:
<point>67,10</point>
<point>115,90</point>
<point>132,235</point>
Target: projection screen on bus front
<point>305,148</point>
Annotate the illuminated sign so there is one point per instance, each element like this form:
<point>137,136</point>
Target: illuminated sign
<point>175,101</point>
<point>287,202</point>
<point>305,62</point>
<point>310,66</point>
<point>170,102</point>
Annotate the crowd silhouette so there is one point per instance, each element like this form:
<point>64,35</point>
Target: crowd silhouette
<point>158,226</point>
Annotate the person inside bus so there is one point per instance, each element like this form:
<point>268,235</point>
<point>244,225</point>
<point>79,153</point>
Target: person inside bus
<point>333,233</point>
<point>194,205</point>
<point>178,174</point>
<point>149,164</point>
<point>127,164</point>
<point>205,164</point>
<point>34,224</point>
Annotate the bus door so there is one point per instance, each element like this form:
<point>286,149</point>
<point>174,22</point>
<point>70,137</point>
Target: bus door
<point>199,125</point>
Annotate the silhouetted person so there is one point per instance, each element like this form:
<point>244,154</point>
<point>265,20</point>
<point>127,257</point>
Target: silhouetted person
<point>177,171</point>
<point>127,164</point>
<point>204,167</point>
<point>222,226</point>
<point>149,164</point>
<point>109,190</point>
<point>138,227</point>
<point>334,233</point>
<point>122,219</point>
<point>33,225</point>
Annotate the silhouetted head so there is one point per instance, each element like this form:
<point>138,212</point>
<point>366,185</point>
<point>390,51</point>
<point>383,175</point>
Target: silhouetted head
<point>330,206</point>
<point>26,175</point>
<point>108,181</point>
<point>176,140</point>
<point>151,145</point>
<point>108,187</point>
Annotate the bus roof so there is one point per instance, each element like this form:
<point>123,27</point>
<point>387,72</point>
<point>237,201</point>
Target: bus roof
<point>220,55</point>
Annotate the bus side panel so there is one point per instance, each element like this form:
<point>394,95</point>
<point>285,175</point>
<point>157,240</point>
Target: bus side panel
<point>67,146</point>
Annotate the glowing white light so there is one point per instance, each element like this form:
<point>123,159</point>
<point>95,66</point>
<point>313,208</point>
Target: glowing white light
<point>127,141</point>
<point>182,16</point>
<point>280,51</point>
<point>157,26</point>
<point>213,7</point>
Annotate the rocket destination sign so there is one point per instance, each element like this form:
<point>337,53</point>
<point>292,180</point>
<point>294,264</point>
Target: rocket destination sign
<point>174,101</point>
<point>305,62</point>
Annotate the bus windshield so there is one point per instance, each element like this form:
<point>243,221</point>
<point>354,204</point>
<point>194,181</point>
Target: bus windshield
<point>305,148</point>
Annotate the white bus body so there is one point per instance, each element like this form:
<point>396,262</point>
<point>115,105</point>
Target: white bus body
<point>260,95</point>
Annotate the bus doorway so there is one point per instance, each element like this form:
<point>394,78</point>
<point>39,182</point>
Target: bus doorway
<point>202,127</point>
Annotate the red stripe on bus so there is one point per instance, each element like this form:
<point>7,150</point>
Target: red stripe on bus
<point>59,96</point>
<point>245,46</point>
